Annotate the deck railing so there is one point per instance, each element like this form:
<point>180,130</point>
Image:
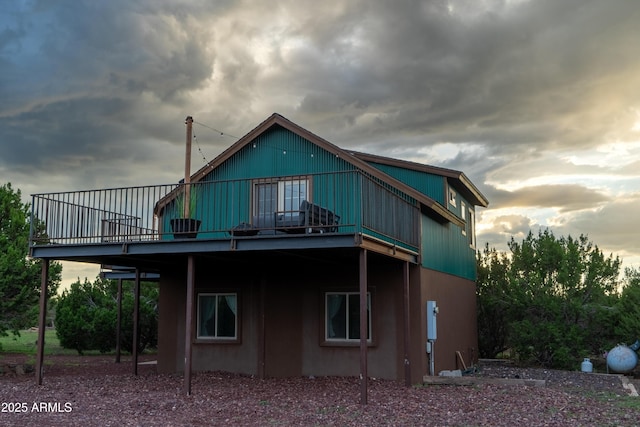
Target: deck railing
<point>341,202</point>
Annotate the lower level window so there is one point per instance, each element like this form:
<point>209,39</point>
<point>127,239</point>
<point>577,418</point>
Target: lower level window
<point>217,315</point>
<point>342,314</point>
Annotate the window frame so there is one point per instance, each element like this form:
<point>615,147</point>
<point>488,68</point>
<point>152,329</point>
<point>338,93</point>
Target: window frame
<point>472,228</point>
<point>452,197</point>
<point>347,342</point>
<point>463,216</point>
<point>217,339</point>
<point>280,185</point>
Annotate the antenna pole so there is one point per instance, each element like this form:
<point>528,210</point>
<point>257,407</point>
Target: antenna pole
<point>187,168</point>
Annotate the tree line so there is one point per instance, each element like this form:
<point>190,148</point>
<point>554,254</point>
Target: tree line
<point>20,275</point>
<point>551,301</point>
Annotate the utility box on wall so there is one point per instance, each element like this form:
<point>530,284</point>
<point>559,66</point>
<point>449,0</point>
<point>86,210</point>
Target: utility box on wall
<point>432,330</point>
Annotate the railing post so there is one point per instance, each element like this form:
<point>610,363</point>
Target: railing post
<point>31,221</point>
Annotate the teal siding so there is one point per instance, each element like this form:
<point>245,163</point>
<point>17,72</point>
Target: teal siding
<point>363,203</point>
<point>446,249</point>
<point>278,152</point>
<point>281,153</point>
<point>426,183</point>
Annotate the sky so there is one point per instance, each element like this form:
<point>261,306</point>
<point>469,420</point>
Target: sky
<point>536,101</point>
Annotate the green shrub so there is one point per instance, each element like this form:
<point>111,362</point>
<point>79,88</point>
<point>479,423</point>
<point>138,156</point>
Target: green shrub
<point>86,316</point>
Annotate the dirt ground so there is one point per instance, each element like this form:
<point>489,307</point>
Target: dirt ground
<point>95,391</point>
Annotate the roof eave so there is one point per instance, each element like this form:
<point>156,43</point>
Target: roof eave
<point>479,198</point>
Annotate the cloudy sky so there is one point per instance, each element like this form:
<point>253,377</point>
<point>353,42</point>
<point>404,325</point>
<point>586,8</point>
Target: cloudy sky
<point>537,101</point>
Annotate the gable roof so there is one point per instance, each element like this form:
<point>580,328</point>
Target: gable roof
<point>460,181</point>
<point>428,205</point>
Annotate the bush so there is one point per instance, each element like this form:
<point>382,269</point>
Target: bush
<point>86,316</point>
<point>552,301</point>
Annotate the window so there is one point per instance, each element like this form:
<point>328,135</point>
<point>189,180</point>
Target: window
<point>291,194</point>
<point>342,316</point>
<point>283,196</point>
<point>452,197</point>
<point>217,316</point>
<point>472,228</point>
<point>463,216</point>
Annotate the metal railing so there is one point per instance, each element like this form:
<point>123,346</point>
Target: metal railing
<point>340,202</point>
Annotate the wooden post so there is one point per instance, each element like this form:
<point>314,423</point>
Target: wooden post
<point>261,328</point>
<point>188,324</point>
<point>119,321</point>
<point>407,324</point>
<point>136,321</point>
<point>187,168</point>
<point>42,321</point>
<point>363,326</point>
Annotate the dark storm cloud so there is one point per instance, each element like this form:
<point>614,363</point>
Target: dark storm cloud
<point>505,76</point>
<point>485,73</point>
<point>81,77</point>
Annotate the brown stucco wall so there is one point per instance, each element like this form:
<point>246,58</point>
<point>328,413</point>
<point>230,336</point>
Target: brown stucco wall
<point>170,327</point>
<point>293,289</point>
<point>384,356</point>
<point>456,321</point>
<point>238,357</point>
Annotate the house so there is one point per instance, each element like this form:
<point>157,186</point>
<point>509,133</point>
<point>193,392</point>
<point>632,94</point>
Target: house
<point>308,259</point>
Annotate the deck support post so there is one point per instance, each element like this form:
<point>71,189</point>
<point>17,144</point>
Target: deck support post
<point>42,321</point>
<point>363,325</point>
<point>262,348</point>
<point>136,321</point>
<point>189,324</point>
<point>119,321</point>
<point>407,323</point>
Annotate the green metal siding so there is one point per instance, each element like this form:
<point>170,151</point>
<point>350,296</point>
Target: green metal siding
<point>426,183</point>
<point>278,152</point>
<point>281,153</point>
<point>446,249</point>
<point>457,209</point>
<point>363,203</point>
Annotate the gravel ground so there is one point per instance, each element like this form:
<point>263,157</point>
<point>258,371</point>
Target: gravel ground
<point>94,391</point>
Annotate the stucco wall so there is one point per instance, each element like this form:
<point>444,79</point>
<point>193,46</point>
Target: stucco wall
<point>456,320</point>
<point>290,290</point>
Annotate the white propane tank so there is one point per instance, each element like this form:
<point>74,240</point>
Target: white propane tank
<point>586,365</point>
<point>621,359</point>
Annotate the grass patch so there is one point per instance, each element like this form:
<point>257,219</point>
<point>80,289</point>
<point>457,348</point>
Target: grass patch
<point>629,402</point>
<point>26,343</point>
<point>623,402</point>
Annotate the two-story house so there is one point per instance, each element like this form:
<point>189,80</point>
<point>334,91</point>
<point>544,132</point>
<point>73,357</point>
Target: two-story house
<point>306,259</point>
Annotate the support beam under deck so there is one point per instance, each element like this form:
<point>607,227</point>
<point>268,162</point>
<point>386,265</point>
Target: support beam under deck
<point>407,323</point>
<point>189,324</point>
<point>119,321</point>
<point>42,321</point>
<point>136,321</point>
<point>364,327</point>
